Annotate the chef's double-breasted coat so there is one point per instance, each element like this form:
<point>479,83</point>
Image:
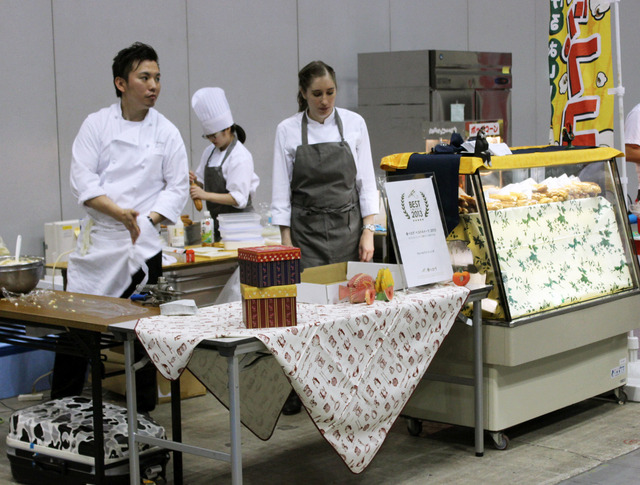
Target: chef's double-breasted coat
<point>139,165</point>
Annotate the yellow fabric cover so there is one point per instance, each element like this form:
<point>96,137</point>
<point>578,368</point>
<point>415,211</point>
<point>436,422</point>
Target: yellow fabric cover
<point>469,165</point>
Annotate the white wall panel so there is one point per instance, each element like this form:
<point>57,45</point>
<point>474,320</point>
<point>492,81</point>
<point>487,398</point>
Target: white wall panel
<point>29,189</point>
<point>250,50</point>
<point>335,31</point>
<point>88,35</point>
<point>489,32</point>
<point>429,24</point>
<point>540,86</point>
<point>629,13</point>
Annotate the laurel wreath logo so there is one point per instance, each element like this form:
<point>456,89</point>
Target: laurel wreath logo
<point>404,209</point>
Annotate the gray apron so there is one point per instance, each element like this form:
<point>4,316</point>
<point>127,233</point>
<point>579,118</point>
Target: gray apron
<point>325,211</point>
<point>214,182</point>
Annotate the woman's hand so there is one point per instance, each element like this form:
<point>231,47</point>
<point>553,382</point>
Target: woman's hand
<point>197,192</point>
<point>366,246</point>
<point>285,235</point>
<point>192,177</point>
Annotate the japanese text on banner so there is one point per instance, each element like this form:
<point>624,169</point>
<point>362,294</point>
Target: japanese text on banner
<point>581,72</point>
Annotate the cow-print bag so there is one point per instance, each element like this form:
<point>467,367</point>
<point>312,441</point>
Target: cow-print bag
<point>67,425</point>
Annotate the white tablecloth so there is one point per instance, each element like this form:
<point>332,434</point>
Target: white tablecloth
<point>353,366</point>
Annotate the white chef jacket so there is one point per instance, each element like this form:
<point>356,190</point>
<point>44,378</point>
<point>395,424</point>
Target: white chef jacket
<point>159,184</point>
<point>632,131</point>
<point>139,165</point>
<point>238,172</point>
<point>289,137</point>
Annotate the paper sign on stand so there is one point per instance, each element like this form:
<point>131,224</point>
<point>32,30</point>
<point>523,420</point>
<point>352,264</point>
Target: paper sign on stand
<point>419,231</point>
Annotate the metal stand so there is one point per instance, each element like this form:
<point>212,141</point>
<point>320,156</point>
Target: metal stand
<point>478,384</point>
<point>414,425</point>
<point>230,348</point>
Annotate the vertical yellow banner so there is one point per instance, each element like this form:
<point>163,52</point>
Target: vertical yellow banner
<point>581,72</point>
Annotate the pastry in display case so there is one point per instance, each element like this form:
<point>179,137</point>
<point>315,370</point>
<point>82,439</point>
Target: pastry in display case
<point>548,227</point>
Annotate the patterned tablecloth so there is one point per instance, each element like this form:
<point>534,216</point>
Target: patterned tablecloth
<point>353,366</point>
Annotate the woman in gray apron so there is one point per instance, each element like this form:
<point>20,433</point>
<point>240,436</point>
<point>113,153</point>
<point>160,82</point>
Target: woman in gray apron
<point>226,166</point>
<point>324,194</point>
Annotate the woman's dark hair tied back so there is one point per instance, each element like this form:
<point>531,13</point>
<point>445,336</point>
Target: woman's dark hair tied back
<point>239,132</point>
<point>306,76</point>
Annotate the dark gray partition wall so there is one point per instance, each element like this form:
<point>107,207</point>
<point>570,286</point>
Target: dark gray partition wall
<point>56,58</point>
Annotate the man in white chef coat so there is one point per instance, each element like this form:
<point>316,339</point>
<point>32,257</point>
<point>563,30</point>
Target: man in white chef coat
<point>129,172</point>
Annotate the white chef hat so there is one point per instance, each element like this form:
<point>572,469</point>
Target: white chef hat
<point>212,109</point>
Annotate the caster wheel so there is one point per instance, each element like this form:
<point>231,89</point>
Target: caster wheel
<point>414,426</point>
<point>500,440</point>
<point>621,396</point>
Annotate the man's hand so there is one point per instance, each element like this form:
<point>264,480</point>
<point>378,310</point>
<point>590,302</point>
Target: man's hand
<point>129,217</point>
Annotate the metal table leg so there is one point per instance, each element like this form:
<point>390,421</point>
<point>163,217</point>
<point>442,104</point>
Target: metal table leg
<point>176,430</point>
<point>132,409</point>
<point>478,383</point>
<point>98,415</point>
<point>234,419</point>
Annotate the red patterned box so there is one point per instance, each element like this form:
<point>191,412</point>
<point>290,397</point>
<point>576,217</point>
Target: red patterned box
<point>274,306</point>
<point>266,266</point>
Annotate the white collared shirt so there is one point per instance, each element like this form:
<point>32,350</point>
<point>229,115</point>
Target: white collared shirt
<point>289,137</point>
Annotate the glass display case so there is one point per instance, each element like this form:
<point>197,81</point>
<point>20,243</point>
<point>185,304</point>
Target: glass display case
<point>549,229</point>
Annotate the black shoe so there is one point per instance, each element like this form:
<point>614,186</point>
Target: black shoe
<point>292,405</point>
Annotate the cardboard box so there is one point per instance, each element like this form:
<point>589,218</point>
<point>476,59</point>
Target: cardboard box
<point>114,361</point>
<point>266,266</point>
<point>320,284</point>
<point>270,307</point>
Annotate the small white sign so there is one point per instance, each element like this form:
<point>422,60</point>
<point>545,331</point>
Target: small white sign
<point>419,231</point>
<point>457,112</point>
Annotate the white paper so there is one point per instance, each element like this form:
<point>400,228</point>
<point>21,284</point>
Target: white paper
<point>419,231</point>
<point>499,149</point>
<point>179,307</point>
<point>457,112</point>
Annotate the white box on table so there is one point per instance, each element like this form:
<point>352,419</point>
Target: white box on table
<point>320,284</point>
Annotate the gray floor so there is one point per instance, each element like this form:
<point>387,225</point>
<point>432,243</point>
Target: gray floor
<point>594,442</point>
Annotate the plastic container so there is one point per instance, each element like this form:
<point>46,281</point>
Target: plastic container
<point>176,234</point>
<point>238,219</point>
<point>240,235</point>
<point>206,229</point>
<point>229,245</point>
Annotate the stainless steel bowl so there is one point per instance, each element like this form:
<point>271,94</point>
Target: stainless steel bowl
<point>21,277</point>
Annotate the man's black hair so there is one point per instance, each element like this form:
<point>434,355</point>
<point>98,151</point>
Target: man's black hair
<point>129,58</point>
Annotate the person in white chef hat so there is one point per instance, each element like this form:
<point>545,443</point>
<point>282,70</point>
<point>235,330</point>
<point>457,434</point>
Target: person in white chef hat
<point>225,178</point>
